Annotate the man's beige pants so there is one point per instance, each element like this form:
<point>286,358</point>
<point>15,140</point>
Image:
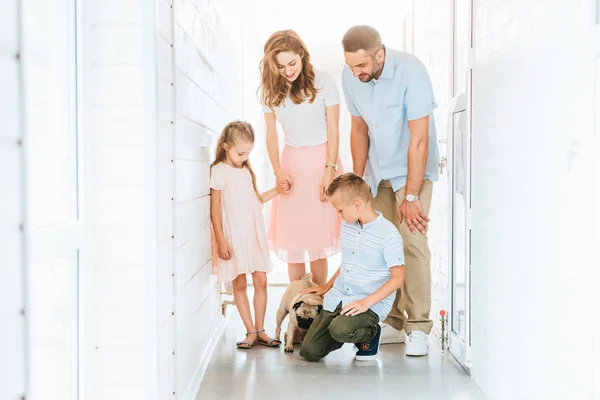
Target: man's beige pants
<point>414,296</point>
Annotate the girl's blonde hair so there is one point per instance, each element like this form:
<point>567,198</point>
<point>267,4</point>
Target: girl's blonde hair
<point>274,87</point>
<point>234,131</point>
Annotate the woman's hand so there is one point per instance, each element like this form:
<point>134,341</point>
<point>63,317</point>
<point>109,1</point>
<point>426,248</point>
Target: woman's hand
<point>326,181</point>
<point>284,183</point>
<point>283,187</point>
<point>224,250</point>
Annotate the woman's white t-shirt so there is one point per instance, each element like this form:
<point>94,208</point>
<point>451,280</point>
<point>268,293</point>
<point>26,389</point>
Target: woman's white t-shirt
<point>305,124</point>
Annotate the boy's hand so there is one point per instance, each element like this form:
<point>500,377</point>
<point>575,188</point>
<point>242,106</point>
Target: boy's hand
<point>318,290</point>
<point>224,250</point>
<point>355,308</point>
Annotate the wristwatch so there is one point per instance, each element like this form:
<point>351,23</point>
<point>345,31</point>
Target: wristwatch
<point>411,198</point>
<point>335,166</point>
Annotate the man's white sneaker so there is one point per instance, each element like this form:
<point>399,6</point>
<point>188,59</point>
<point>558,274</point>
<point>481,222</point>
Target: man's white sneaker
<point>417,344</point>
<point>389,335</point>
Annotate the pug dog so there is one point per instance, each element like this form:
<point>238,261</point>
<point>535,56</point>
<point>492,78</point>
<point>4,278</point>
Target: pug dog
<point>303,309</point>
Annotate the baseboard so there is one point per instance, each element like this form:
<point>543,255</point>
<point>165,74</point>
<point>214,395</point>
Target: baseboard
<point>191,393</point>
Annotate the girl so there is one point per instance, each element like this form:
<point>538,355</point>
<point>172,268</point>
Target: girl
<point>235,212</point>
<point>303,227</point>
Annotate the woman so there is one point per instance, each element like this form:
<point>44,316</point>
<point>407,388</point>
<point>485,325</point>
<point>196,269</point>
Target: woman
<point>303,226</point>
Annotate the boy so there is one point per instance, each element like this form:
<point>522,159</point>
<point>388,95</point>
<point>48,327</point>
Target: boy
<point>362,291</point>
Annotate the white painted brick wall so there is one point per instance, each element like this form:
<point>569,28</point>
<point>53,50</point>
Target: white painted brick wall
<point>206,67</point>
<point>532,195</point>
<point>199,90</point>
<point>13,368</point>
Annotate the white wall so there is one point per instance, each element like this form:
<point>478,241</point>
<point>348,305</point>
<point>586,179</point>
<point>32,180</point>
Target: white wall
<point>13,335</point>
<point>113,115</point>
<point>207,79</point>
<point>532,196</point>
<point>149,304</point>
<point>432,44</point>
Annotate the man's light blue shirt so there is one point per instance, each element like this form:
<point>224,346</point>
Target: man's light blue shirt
<point>402,93</point>
<point>368,253</point>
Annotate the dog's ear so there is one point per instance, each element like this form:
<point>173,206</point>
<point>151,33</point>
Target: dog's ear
<point>297,305</point>
<point>319,309</point>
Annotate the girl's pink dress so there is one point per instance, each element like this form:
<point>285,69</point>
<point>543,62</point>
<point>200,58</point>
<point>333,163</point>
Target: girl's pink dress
<point>243,223</point>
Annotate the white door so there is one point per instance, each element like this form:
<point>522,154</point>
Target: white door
<point>53,207</point>
<point>459,166</point>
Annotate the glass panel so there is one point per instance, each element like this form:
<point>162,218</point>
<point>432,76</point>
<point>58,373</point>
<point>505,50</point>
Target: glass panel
<point>460,263</point>
<point>49,68</point>
<point>53,329</point>
<point>462,26</point>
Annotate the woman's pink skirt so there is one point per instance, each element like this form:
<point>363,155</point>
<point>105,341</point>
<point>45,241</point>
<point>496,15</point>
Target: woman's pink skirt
<point>302,228</point>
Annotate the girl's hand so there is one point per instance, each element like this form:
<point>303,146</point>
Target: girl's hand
<point>224,250</point>
<point>318,290</point>
<point>284,183</point>
<point>284,187</point>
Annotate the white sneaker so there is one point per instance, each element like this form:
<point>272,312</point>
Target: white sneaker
<point>389,335</point>
<point>417,344</point>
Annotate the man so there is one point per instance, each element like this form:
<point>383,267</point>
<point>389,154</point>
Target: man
<point>394,146</point>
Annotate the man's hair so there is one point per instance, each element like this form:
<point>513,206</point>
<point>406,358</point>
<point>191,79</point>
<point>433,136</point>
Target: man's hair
<point>350,187</point>
<point>361,37</point>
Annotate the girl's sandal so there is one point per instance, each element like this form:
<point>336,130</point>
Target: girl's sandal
<point>270,342</point>
<point>246,345</point>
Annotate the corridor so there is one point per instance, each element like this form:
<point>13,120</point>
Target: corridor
<point>264,373</point>
<point>109,115</point>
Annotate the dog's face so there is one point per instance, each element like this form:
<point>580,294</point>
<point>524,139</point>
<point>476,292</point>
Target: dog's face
<point>306,312</point>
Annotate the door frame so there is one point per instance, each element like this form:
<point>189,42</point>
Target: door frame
<point>595,60</point>
<point>64,241</point>
<point>461,102</point>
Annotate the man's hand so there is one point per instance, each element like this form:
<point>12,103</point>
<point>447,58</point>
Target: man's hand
<point>318,290</point>
<point>414,216</point>
<point>356,307</point>
<point>224,250</point>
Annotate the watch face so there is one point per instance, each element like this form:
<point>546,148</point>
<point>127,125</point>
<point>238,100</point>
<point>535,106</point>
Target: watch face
<point>410,198</point>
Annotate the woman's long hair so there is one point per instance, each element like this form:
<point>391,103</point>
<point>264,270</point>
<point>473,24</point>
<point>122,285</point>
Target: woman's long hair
<point>234,131</point>
<point>274,87</point>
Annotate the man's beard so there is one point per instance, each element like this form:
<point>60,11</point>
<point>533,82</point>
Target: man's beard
<point>376,70</point>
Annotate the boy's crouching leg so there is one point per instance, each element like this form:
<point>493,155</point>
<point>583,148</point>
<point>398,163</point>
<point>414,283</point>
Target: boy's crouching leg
<point>318,342</point>
<point>356,329</point>
<point>312,352</point>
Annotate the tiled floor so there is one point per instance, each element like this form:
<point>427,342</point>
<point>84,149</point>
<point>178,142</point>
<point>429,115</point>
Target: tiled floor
<point>269,373</point>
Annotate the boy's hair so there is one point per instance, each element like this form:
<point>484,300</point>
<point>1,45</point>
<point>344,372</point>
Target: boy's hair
<point>361,37</point>
<point>350,187</point>
<point>233,131</point>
